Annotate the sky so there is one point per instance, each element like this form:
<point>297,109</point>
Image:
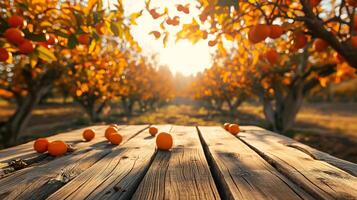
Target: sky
<point>183,56</point>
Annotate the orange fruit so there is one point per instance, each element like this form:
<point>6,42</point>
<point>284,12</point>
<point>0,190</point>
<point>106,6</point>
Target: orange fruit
<point>226,126</point>
<point>258,33</point>
<point>14,35</point>
<point>164,141</point>
<point>314,3</point>
<point>319,45</point>
<point>16,21</point>
<point>4,55</point>
<point>110,130</point>
<point>57,148</point>
<point>41,145</point>
<point>153,130</point>
<point>51,39</point>
<point>272,56</point>
<point>299,41</point>
<point>275,31</point>
<point>26,47</point>
<point>88,134</point>
<point>352,3</point>
<point>354,41</point>
<point>115,138</point>
<point>234,129</point>
<point>83,39</point>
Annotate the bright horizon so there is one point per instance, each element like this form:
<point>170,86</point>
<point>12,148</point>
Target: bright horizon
<point>182,56</point>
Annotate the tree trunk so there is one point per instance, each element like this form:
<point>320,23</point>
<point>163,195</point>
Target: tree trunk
<point>93,109</point>
<point>20,118</point>
<point>127,105</point>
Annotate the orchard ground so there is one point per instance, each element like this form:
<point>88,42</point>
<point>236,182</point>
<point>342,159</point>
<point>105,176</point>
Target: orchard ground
<point>330,127</point>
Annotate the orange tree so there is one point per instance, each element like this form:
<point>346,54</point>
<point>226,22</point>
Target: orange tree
<point>333,22</point>
<point>93,75</point>
<point>282,86</point>
<point>145,84</point>
<point>222,83</point>
<point>271,31</point>
<point>33,35</point>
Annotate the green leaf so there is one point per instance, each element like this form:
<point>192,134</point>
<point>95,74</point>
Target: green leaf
<point>61,33</point>
<point>72,41</point>
<point>227,2</point>
<point>98,16</point>
<point>95,36</point>
<point>114,28</point>
<point>45,54</point>
<point>23,6</point>
<point>3,25</point>
<point>79,19</point>
<point>35,37</point>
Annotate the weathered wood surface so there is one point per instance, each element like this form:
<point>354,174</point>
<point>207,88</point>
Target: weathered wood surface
<point>206,164</point>
<point>318,177</point>
<point>242,173</point>
<point>25,151</point>
<point>116,175</point>
<point>181,173</point>
<point>39,181</point>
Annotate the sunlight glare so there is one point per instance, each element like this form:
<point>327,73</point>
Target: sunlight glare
<point>183,56</point>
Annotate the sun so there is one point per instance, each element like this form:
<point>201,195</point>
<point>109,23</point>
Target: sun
<point>182,56</point>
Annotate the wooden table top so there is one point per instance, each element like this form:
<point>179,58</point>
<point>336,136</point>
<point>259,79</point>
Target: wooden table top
<point>205,163</point>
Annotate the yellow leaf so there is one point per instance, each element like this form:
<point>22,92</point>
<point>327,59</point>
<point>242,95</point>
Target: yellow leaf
<point>45,54</point>
<point>92,46</point>
<point>134,16</point>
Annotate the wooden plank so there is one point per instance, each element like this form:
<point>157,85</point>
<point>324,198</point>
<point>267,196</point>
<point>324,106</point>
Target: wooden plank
<point>25,151</point>
<point>319,178</point>
<point>242,173</point>
<point>319,155</point>
<point>117,175</point>
<point>316,154</point>
<point>74,138</point>
<point>38,182</point>
<point>181,173</point>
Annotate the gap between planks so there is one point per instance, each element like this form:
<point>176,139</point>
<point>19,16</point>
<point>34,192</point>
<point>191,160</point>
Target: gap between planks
<point>182,173</point>
<point>318,177</point>
<point>241,173</point>
<point>117,175</point>
<point>38,182</point>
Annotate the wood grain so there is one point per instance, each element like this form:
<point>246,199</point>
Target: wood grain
<point>319,178</point>
<point>38,182</point>
<point>117,175</point>
<point>25,151</point>
<point>181,173</point>
<point>30,157</point>
<point>242,173</point>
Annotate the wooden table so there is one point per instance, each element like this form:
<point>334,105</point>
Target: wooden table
<point>204,163</point>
